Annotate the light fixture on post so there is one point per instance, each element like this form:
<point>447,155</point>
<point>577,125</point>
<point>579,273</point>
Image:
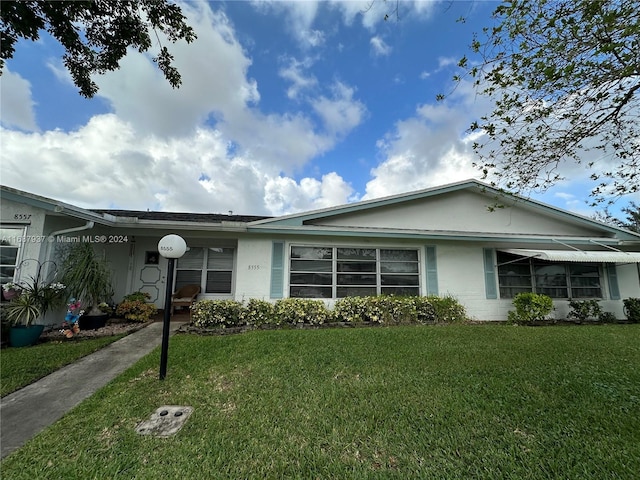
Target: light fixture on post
<point>171,247</point>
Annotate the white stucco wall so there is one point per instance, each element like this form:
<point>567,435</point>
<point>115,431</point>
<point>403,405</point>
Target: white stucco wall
<point>253,269</point>
<point>30,221</point>
<point>461,275</point>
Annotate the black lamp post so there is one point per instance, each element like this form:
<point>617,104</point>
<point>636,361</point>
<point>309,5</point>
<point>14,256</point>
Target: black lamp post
<point>171,247</point>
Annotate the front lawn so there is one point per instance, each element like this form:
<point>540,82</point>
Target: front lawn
<point>21,366</point>
<point>403,402</point>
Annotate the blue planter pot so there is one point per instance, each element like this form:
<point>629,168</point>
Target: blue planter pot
<point>21,336</point>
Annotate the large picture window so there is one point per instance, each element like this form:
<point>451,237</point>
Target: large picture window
<point>557,280</point>
<point>211,268</point>
<point>336,272</point>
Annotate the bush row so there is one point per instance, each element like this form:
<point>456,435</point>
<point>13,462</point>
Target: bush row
<point>532,308</point>
<point>383,309</point>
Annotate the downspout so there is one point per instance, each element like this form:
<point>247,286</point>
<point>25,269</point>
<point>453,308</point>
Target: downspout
<point>89,225</point>
<point>51,238</point>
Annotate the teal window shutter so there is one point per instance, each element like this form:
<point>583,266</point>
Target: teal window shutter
<point>432,271</point>
<point>612,277</point>
<point>490,274</point>
<point>277,270</point>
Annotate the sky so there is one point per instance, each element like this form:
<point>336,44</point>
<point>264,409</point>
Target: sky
<point>284,107</point>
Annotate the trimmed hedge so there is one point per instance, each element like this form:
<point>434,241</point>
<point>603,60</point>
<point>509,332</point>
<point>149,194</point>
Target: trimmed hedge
<point>217,313</point>
<point>530,308</point>
<point>388,310</point>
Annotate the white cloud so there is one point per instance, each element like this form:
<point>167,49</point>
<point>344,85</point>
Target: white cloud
<point>379,47</point>
<point>341,113</point>
<point>372,13</point>
<point>215,85</point>
<point>428,149</point>
<point>299,17</point>
<point>214,80</point>
<point>108,159</point>
<point>285,195</point>
<point>295,73</point>
<point>156,151</point>
<point>16,103</point>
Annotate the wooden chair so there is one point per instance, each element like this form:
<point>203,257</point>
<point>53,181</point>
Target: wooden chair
<point>185,297</point>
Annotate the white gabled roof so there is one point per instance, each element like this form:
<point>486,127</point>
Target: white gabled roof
<point>312,221</point>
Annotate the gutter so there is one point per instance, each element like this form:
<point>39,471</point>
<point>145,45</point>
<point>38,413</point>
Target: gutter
<point>87,226</point>
<point>51,238</point>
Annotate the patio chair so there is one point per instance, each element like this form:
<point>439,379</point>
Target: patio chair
<point>185,297</point>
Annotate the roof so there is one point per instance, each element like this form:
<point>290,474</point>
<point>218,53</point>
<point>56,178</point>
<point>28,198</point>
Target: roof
<point>181,216</point>
<point>112,217</point>
<point>311,222</point>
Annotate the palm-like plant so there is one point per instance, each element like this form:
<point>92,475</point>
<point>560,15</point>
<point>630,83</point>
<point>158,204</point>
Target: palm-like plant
<point>87,276</point>
<point>37,295</point>
<point>23,310</point>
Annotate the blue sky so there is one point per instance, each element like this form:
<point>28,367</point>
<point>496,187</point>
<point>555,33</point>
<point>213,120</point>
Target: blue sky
<point>285,106</point>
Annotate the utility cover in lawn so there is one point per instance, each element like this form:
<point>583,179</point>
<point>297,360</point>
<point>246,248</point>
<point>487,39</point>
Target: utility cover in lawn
<point>165,421</point>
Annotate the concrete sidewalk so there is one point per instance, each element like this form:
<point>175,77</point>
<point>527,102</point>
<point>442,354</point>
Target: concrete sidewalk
<point>26,412</point>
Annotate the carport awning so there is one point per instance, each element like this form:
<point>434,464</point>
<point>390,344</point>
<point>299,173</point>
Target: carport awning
<point>578,256</point>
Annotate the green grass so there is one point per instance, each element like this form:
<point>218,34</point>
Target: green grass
<point>404,402</point>
<point>22,366</point>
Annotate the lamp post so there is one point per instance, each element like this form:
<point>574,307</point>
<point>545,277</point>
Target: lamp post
<point>171,247</point>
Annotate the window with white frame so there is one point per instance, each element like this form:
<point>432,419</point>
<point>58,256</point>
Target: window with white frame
<point>336,272</point>
<point>9,252</point>
<point>211,268</point>
<point>558,280</point>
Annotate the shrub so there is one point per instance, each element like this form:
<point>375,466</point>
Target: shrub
<point>425,309</point>
<point>364,309</point>
<point>135,307</point>
<point>301,310</point>
<point>447,309</point>
<point>217,313</point>
<point>583,309</point>
<point>632,309</point>
<point>351,310</point>
<point>530,308</point>
<point>607,317</point>
<point>259,312</point>
<point>399,310</point>
<point>137,296</point>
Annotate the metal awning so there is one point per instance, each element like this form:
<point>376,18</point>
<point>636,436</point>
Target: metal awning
<point>577,255</point>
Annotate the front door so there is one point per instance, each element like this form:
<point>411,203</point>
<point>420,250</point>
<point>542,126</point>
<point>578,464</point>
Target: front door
<point>150,274</point>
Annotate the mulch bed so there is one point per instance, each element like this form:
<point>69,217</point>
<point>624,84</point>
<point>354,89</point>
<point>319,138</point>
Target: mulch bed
<point>115,326</point>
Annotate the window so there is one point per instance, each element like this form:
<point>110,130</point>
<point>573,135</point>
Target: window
<point>9,252</point>
<point>336,272</point>
<point>211,268</point>
<point>557,280</point>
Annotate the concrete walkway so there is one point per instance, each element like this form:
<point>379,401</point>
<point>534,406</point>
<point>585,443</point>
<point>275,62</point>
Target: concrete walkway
<point>25,413</point>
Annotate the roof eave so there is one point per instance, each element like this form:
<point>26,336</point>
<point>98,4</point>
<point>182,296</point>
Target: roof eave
<point>428,235</point>
<point>53,206</point>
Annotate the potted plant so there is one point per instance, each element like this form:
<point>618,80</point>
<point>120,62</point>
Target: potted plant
<point>10,290</point>
<point>21,313</point>
<point>34,300</point>
<point>88,279</point>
